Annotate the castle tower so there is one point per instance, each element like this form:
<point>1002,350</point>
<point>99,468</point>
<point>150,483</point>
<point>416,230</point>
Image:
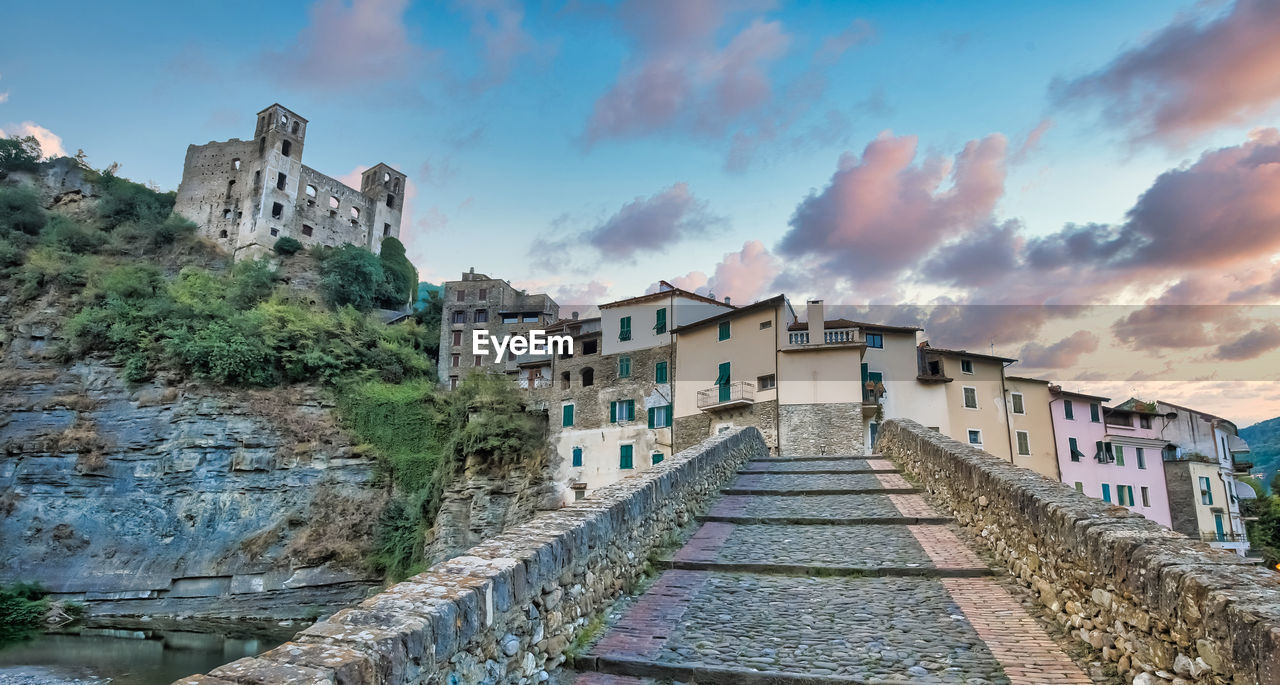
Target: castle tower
<point>274,178</point>
<point>386,188</point>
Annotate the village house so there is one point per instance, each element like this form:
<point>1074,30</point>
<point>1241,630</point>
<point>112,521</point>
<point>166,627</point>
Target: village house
<point>478,302</point>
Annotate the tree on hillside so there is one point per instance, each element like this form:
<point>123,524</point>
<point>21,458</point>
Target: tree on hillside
<point>19,154</point>
<point>351,275</point>
<point>400,278</point>
<point>430,315</point>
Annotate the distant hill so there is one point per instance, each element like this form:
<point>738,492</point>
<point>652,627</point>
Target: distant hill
<point>1264,441</point>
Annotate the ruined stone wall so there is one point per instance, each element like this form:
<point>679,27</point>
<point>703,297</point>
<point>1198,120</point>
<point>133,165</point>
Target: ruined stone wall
<point>506,611</point>
<point>814,429</point>
<point>1159,606</point>
<point>690,430</point>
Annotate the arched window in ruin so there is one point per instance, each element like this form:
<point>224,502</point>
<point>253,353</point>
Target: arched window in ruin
<point>222,233</point>
<point>311,190</point>
<point>231,186</point>
<point>286,147</point>
<point>391,201</point>
<point>262,144</point>
<point>333,202</point>
<point>235,164</point>
<point>588,377</point>
<point>355,213</point>
<point>395,185</point>
<point>564,380</point>
<point>295,127</point>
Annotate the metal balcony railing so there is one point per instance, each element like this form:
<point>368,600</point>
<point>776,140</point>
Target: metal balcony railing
<point>1214,536</point>
<point>730,394</point>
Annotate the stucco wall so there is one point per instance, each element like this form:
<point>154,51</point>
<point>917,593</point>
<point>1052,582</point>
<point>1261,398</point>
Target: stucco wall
<point>506,610</point>
<point>1148,597</point>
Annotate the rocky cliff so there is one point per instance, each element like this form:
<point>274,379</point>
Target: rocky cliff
<point>173,497</point>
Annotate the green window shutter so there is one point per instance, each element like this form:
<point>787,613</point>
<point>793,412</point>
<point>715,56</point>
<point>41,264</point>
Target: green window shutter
<point>651,413</point>
<point>1067,410</point>
<point>724,330</point>
<point>722,378</point>
<point>613,412</point>
<point>864,373</point>
<point>624,367</point>
<point>1119,455</point>
<point>624,457</point>
<point>660,373</point>
<point>661,325</point>
<point>577,456</point>
<point>1099,455</point>
<point>657,457</point>
<point>624,328</point>
<point>568,415</point>
<point>631,410</point>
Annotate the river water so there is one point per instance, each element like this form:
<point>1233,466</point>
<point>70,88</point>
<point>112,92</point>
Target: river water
<point>138,653</point>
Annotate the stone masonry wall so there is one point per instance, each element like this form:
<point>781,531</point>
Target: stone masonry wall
<point>690,430</point>
<point>1161,607</point>
<point>506,611</point>
<point>815,429</point>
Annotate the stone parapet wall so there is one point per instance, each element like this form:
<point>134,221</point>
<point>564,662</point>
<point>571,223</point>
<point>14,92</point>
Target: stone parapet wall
<point>817,429</point>
<point>506,610</point>
<point>1161,607</point>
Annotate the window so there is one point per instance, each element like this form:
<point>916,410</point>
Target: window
<point>1206,492</point>
<point>459,317</point>
<point>355,213</point>
<point>656,457</point>
<point>462,296</point>
<point>588,377</point>
<point>262,144</point>
<point>510,318</point>
<point>624,367</point>
<point>1075,449</point>
<point>1018,406</point>
<point>529,318</point>
<point>453,382</point>
<point>564,380</point>
<point>482,316</point>
<point>231,187</point>
<point>1142,458</point>
<point>766,324</point>
<point>455,361</point>
<point>1106,492</point>
<point>391,201</point>
<point>277,210</point>
<point>1124,495</point>
<point>622,410</point>
<point>624,328</point>
<point>1079,487</point>
<point>875,340</point>
<point>765,382</point>
<point>1144,421</point>
<point>660,372</point>
<point>1146,496</point>
<point>590,346</point>
<point>724,330</point>
<point>1119,453</point>
<point>222,233</point>
<point>1094,414</point>
<point>723,375</point>
<point>257,179</point>
<point>566,415</point>
<point>235,164</point>
<point>970,397</point>
<point>477,360</point>
<point>386,230</point>
<point>286,147</point>
<point>1068,410</point>
<point>457,338</point>
<point>660,417</point>
<point>577,456</point>
<point>482,294</point>
<point>275,232</point>
<point>660,325</point>
<point>226,214</point>
<point>1024,443</point>
<point>579,493</point>
<point>966,366</point>
<point>624,457</point>
<point>975,437</point>
<point>307,230</point>
<point>281,180</point>
<point>333,202</point>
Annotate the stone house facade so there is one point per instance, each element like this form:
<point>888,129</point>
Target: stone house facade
<point>478,302</point>
<point>246,194</point>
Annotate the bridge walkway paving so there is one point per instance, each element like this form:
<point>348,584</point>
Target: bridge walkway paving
<point>824,570</point>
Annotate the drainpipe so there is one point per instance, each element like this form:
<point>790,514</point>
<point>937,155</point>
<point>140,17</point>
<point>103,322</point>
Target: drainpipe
<point>1053,433</point>
<point>777,385</point>
<point>1008,417</point>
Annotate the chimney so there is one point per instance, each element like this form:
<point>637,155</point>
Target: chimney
<point>726,300</point>
<point>575,315</point>
<point>711,296</point>
<point>813,311</point>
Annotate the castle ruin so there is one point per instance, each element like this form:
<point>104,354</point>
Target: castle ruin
<point>247,194</point>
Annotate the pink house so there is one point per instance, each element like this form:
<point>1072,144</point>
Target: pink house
<point>1111,454</point>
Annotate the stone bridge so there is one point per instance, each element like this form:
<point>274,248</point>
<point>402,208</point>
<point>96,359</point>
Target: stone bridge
<point>932,562</point>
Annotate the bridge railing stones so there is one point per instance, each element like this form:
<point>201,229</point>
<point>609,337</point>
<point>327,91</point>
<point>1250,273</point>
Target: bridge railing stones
<point>508,608</point>
<point>1162,607</point>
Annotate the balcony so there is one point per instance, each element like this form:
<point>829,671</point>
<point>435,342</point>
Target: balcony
<point>1214,536</point>
<point>738,394</point>
<point>830,336</point>
<point>534,383</point>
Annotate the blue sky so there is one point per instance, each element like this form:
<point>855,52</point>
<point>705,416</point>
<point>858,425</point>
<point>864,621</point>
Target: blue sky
<point>591,148</point>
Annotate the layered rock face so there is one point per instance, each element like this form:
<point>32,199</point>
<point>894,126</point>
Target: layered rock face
<point>176,498</point>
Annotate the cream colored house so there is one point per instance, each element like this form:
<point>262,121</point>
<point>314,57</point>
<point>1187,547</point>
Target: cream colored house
<point>1034,447</point>
<point>974,387</point>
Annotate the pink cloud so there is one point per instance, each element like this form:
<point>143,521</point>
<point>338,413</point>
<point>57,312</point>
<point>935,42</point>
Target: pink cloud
<point>50,142</point>
<point>744,276</point>
<point>498,26</point>
<point>1192,76</point>
<point>857,33</point>
<point>348,43</point>
<point>1064,353</point>
<point>881,212</point>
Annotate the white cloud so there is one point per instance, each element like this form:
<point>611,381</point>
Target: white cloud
<point>50,142</point>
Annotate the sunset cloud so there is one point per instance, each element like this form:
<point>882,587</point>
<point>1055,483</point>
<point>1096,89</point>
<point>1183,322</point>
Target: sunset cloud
<point>50,142</point>
<point>1062,354</point>
<point>1195,74</point>
<point>347,44</point>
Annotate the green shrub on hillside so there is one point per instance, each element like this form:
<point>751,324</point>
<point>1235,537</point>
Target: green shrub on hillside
<point>399,277</point>
<point>19,154</point>
<point>350,276</point>
<point>286,246</point>
<point>122,201</point>
<point>72,236</point>
<point>22,609</point>
<point>20,211</point>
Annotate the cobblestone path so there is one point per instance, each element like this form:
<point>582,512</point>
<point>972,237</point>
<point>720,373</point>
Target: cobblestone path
<point>824,570</point>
